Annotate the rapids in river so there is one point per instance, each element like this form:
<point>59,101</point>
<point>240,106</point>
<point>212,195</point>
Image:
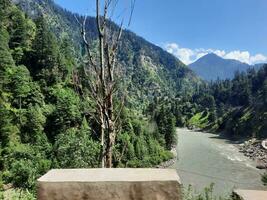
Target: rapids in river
<point>205,158</point>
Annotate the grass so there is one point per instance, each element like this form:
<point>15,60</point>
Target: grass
<point>15,194</point>
<point>199,120</point>
<point>206,194</point>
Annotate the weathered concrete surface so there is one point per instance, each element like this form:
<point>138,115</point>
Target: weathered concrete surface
<point>250,195</point>
<point>107,184</point>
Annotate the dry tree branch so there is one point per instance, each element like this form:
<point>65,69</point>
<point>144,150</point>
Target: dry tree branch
<point>98,20</point>
<point>120,109</point>
<point>83,33</point>
<point>101,82</point>
<point>132,11</point>
<point>113,8</point>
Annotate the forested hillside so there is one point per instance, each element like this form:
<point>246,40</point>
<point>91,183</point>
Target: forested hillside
<point>237,107</point>
<point>46,116</point>
<point>148,70</point>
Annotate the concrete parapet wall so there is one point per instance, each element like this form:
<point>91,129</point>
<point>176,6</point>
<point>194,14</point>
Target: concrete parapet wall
<point>107,184</point>
<point>250,195</point>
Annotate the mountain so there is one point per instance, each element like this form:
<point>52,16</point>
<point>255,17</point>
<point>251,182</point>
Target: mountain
<point>48,119</point>
<point>237,107</point>
<point>258,66</point>
<point>211,67</point>
<point>148,68</point>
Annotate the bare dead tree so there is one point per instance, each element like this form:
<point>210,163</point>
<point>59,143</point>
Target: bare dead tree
<point>100,73</point>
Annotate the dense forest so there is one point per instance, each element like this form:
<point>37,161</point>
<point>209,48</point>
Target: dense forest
<point>47,114</point>
<point>147,69</point>
<point>235,107</point>
<point>46,119</point>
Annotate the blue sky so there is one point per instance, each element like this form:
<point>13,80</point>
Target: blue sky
<point>190,29</point>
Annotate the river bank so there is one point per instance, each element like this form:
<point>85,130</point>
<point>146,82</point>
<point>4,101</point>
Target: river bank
<point>206,158</point>
<point>254,150</point>
<point>171,162</point>
<point>251,148</point>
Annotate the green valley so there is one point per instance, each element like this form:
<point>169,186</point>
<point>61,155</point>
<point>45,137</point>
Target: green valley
<point>65,104</point>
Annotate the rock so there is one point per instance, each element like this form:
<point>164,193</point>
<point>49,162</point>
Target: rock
<point>250,151</point>
<point>170,162</point>
<point>261,165</point>
<point>253,150</point>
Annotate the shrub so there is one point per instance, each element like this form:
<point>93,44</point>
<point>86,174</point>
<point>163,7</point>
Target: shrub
<point>264,178</point>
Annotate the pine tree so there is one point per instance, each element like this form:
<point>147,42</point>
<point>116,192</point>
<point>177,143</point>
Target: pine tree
<point>6,59</point>
<point>170,135</point>
<point>6,65</point>
<point>45,58</point>
<point>4,9</point>
<point>17,29</point>
<point>68,61</point>
<point>22,32</point>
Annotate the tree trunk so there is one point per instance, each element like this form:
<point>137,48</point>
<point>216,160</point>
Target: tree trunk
<point>111,142</point>
<point>102,86</point>
<point>102,139</point>
<point>111,131</point>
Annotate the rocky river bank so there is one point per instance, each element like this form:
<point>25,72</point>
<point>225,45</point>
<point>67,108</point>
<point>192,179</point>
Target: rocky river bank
<point>170,162</point>
<point>254,150</point>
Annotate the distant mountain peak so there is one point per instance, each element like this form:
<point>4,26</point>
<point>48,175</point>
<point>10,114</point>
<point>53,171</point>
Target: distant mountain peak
<point>212,66</point>
<point>211,55</point>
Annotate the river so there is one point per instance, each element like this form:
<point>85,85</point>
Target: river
<point>204,158</point>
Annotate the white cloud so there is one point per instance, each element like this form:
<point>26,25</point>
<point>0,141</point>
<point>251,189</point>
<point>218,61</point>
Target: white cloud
<point>188,56</point>
<point>238,55</point>
<point>182,53</point>
<point>258,58</point>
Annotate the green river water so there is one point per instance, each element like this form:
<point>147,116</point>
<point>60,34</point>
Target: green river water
<point>204,158</point>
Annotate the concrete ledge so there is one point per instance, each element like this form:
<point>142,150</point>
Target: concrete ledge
<point>250,195</point>
<point>107,184</point>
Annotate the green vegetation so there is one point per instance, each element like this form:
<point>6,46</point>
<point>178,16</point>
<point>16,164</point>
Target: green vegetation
<point>236,107</point>
<point>199,120</point>
<point>147,70</point>
<point>264,178</point>
<point>15,194</point>
<point>46,116</point>
<point>207,194</point>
